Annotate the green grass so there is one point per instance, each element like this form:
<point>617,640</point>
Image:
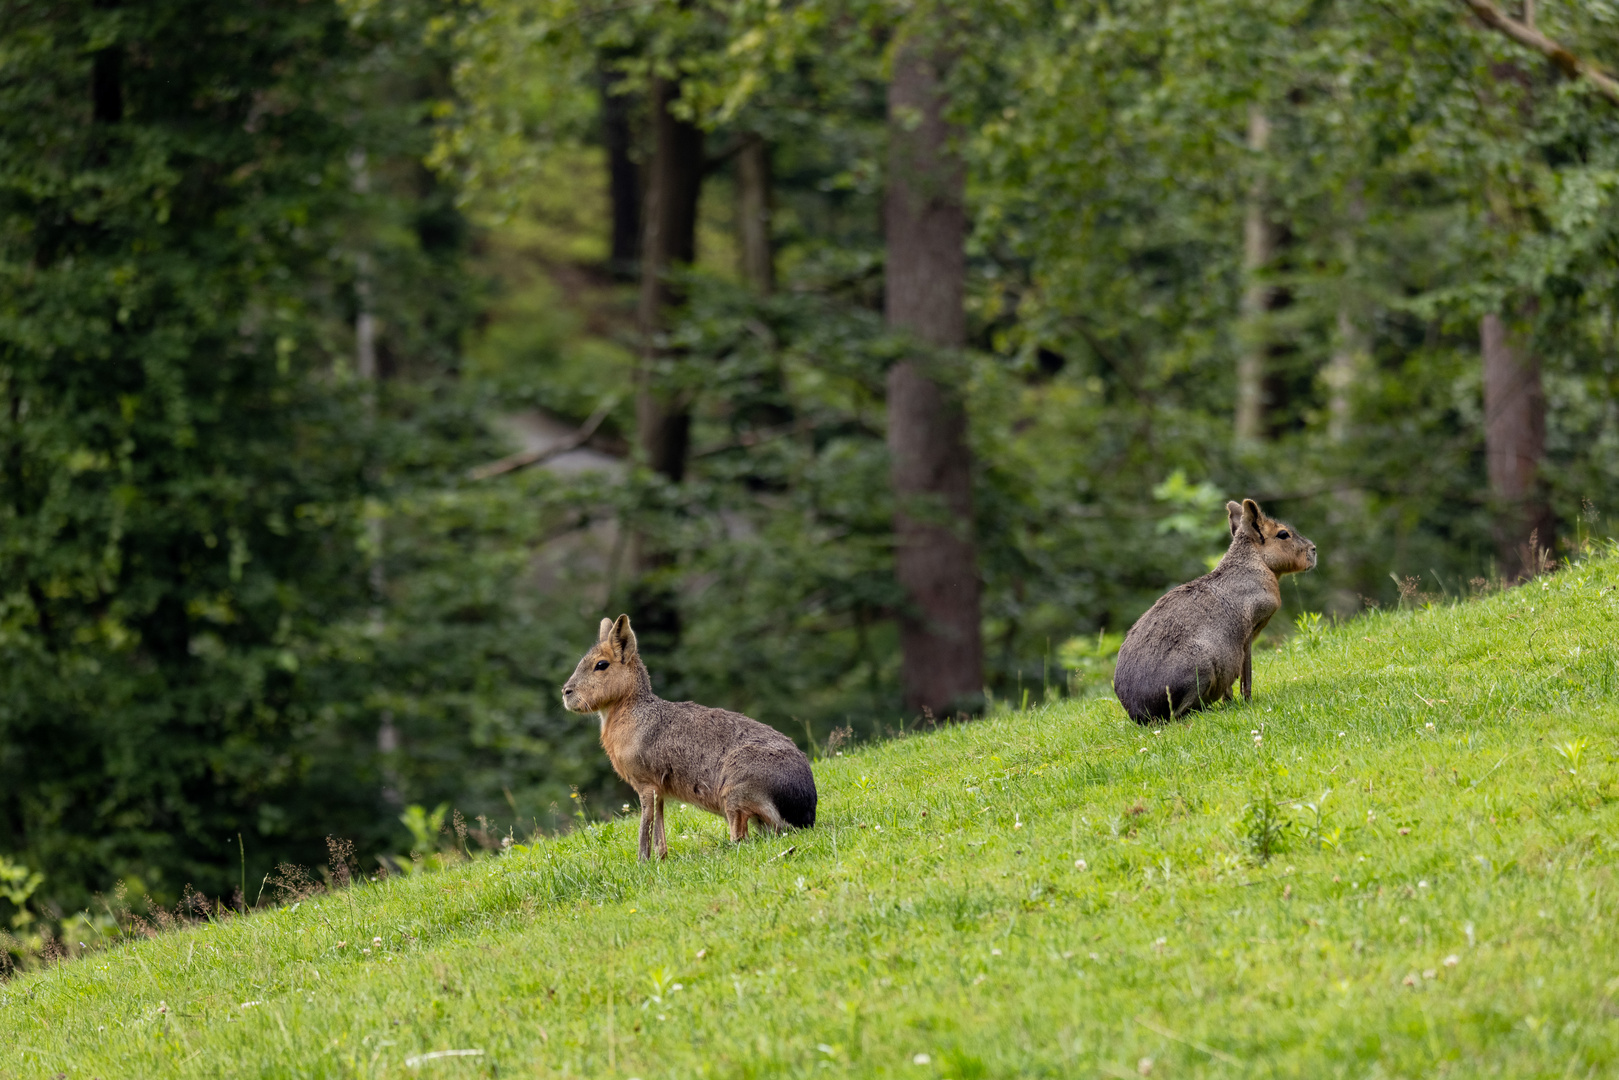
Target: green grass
<point>1452,912</point>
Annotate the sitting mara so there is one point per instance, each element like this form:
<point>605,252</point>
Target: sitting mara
<point>721,761</point>
<point>1197,641</point>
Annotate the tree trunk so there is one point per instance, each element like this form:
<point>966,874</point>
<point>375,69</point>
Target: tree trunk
<point>758,264</point>
<point>365,363</point>
<point>623,178</point>
<point>1259,242</point>
<point>107,85</point>
<point>674,182</point>
<point>674,179</point>
<point>1514,447</point>
<point>934,558</point>
<point>1345,369</point>
<point>365,367</point>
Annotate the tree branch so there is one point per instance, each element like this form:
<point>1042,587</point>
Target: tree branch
<point>513,462</point>
<point>1530,38</point>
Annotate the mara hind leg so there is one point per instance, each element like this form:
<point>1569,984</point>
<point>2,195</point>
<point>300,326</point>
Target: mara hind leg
<point>1205,688</point>
<point>660,843</point>
<point>764,812</point>
<point>1180,704</point>
<point>738,818</point>
<point>1168,705</point>
<point>1188,696</point>
<point>768,817</point>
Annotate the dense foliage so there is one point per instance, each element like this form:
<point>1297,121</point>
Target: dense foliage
<point>197,201</point>
<point>179,487</point>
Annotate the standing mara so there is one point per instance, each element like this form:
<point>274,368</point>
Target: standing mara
<point>724,762</point>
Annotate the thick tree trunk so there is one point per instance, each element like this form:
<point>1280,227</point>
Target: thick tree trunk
<point>1259,243</point>
<point>1514,447</point>
<point>623,178</point>
<point>758,263</point>
<point>934,558</point>
<point>674,182</point>
<point>674,179</point>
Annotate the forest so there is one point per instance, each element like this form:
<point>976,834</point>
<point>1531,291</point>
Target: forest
<point>884,359</point>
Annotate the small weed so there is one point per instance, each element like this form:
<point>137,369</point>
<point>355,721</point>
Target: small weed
<point>1572,752</point>
<point>662,981</point>
<point>341,861</point>
<point>17,884</point>
<point>290,883</point>
<point>436,843</point>
<point>1311,825</point>
<point>424,827</point>
<point>1262,829</point>
<point>839,738</point>
<point>1309,627</point>
<point>1411,594</point>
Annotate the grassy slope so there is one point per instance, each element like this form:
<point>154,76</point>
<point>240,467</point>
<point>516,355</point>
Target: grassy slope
<point>937,909</point>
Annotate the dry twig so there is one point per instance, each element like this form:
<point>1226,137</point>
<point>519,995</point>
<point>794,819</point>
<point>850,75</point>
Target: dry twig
<point>525,458</point>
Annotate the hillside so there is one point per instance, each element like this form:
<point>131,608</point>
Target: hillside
<point>1440,785</point>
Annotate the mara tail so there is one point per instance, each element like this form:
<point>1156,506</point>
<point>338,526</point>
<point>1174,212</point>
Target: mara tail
<point>794,796</point>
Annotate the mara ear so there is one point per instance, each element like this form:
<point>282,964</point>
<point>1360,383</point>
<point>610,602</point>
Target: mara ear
<point>1242,524</point>
<point>622,638</point>
<point>1253,518</point>
<point>601,631</point>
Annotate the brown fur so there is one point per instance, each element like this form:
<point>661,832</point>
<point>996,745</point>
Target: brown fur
<point>724,762</point>
<point>1195,644</point>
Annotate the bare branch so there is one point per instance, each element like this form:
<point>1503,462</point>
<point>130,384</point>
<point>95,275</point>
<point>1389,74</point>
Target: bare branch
<point>1530,38</point>
<point>513,462</point>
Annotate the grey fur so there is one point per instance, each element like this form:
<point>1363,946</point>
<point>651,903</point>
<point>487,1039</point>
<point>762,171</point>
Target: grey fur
<point>1196,643</point>
<point>721,761</point>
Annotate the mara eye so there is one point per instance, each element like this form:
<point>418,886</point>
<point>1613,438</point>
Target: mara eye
<point>601,665</point>
<point>1282,535</point>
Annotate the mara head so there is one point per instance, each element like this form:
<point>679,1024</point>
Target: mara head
<point>1281,546</point>
<point>609,672</point>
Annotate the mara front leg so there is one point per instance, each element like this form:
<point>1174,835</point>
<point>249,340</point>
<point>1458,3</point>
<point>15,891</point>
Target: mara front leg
<point>658,838</point>
<point>1248,671</point>
<point>649,812</point>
